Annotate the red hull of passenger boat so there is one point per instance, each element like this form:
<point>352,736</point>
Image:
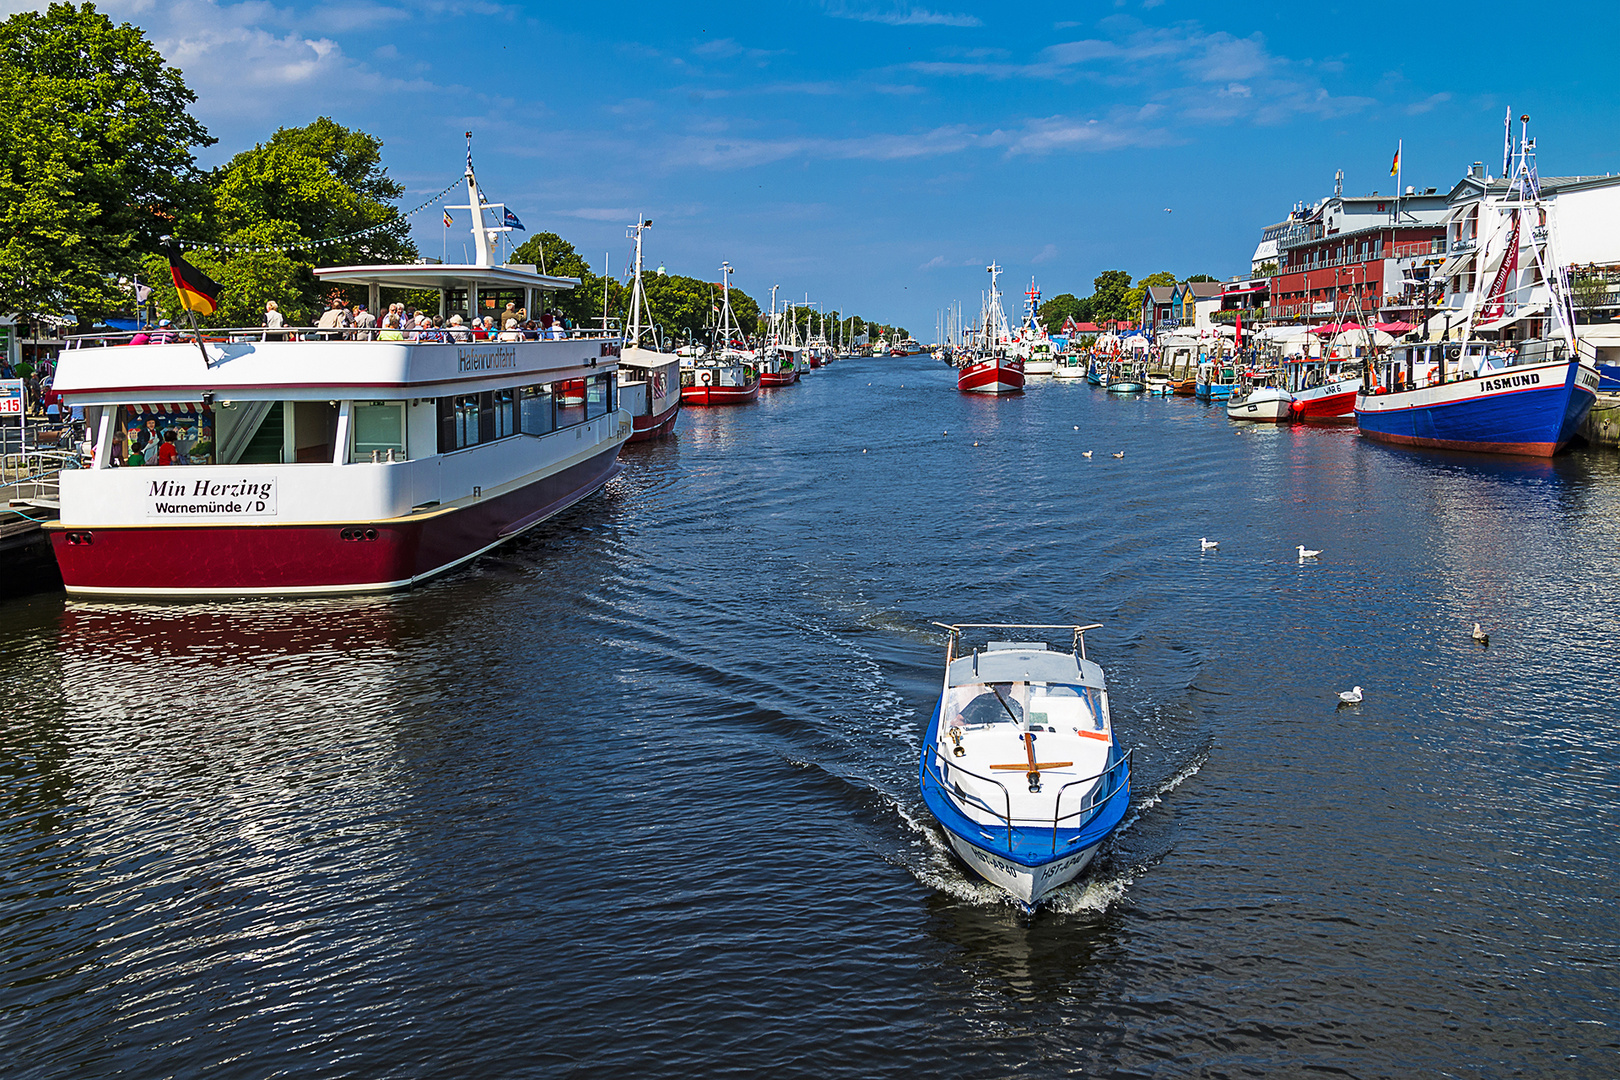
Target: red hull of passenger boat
<point>281,560</point>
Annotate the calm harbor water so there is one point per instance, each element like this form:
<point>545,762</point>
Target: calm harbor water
<point>636,795</point>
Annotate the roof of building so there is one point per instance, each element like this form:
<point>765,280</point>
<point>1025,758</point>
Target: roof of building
<point>1161,294</point>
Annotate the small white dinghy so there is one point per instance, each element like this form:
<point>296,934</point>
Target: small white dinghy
<point>1019,765</point>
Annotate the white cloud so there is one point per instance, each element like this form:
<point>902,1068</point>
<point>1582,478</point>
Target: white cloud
<point>898,14</point>
<point>1046,254</point>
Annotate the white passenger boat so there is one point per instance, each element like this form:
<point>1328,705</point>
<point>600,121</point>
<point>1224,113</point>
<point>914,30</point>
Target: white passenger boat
<point>318,464</point>
<point>1020,765</point>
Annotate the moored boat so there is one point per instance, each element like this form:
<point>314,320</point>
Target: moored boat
<point>1323,389</point>
<point>1020,764</point>
<point>727,374</point>
<point>991,375</point>
<point>337,463</point>
<point>1260,399</point>
<point>650,378</point>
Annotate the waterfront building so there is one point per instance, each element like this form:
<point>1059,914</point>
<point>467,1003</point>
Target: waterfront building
<point>1357,253</point>
<point>1159,311</point>
<point>1196,303</point>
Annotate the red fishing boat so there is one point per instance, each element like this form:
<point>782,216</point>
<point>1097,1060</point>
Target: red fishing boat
<point>992,375</point>
<point>728,375</point>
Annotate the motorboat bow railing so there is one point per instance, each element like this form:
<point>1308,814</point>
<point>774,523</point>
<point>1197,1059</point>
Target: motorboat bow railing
<point>1094,803</point>
<point>938,776</point>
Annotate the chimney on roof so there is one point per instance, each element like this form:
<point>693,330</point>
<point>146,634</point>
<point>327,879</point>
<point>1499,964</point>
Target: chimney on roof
<point>1477,171</point>
<point>1410,190</point>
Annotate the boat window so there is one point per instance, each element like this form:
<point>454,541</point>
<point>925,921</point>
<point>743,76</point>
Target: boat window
<point>985,708</point>
<point>164,434</point>
<point>598,393</point>
<point>1063,706</point>
<point>378,427</point>
<point>504,402</point>
<point>570,399</point>
<point>458,422</point>
<point>534,410</point>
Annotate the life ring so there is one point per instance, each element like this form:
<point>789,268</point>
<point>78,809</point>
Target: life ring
<point>704,375</point>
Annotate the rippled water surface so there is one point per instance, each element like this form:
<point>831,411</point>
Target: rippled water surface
<point>636,795</point>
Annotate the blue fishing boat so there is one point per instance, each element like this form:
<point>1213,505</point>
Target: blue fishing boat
<point>1459,396</point>
<point>1216,380</point>
<point>1500,397</point>
<point>1020,765</point>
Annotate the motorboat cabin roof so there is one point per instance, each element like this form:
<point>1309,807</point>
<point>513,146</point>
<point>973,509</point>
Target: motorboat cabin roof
<point>1022,661</point>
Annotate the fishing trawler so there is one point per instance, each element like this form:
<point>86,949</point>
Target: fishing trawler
<point>650,379</point>
<point>728,374</point>
<point>994,369</point>
<point>1020,764</point>
<point>307,462</point>
<point>1323,389</point>
<point>1486,396</point>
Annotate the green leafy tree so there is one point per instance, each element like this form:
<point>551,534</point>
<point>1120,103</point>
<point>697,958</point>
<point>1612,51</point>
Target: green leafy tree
<point>298,193</point>
<point>1111,296</point>
<point>1266,269</point>
<point>1064,306</point>
<point>95,159</point>
<point>1202,277</point>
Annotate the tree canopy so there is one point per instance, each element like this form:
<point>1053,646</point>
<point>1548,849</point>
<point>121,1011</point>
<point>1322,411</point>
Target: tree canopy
<point>96,159</point>
<point>1064,306</point>
<point>1111,298</point>
<point>304,185</point>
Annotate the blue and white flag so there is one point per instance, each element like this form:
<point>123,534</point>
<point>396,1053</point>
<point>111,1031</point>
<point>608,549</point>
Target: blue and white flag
<point>512,221</point>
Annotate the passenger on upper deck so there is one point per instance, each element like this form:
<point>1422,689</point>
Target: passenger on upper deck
<point>390,330</point>
<point>364,323</point>
<point>272,320</point>
<point>457,331</point>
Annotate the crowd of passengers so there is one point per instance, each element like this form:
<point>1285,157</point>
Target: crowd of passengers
<point>341,322</point>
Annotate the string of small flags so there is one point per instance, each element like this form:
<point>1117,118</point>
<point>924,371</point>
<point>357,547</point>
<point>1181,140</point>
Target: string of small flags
<point>305,245</point>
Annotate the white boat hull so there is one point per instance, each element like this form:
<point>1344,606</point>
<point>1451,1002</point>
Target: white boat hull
<point>1039,367</point>
<point>1029,885</point>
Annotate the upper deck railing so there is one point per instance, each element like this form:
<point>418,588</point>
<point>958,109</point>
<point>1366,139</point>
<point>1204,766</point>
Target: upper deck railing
<point>237,334</point>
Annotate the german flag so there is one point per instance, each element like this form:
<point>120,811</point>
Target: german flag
<point>198,292</point>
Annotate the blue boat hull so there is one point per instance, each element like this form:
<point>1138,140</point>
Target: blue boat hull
<point>1533,411</point>
<point>1213,391</point>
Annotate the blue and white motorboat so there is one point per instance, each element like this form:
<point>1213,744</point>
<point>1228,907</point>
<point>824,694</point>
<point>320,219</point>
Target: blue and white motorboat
<point>1216,380</point>
<point>1020,765</point>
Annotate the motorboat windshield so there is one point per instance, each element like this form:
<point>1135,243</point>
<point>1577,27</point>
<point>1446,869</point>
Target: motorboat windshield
<point>1034,706</point>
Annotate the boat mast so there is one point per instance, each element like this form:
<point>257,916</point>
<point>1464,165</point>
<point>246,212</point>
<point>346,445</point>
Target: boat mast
<point>638,293</point>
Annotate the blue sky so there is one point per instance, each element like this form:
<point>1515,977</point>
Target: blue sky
<point>876,155</point>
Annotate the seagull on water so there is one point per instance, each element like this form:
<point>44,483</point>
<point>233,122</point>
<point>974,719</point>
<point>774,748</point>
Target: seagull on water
<point>1205,543</point>
<point>1120,454</point>
<point>1307,553</point>
<point>1351,696</point>
<point>1481,636</point>
<point>1085,453</point>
